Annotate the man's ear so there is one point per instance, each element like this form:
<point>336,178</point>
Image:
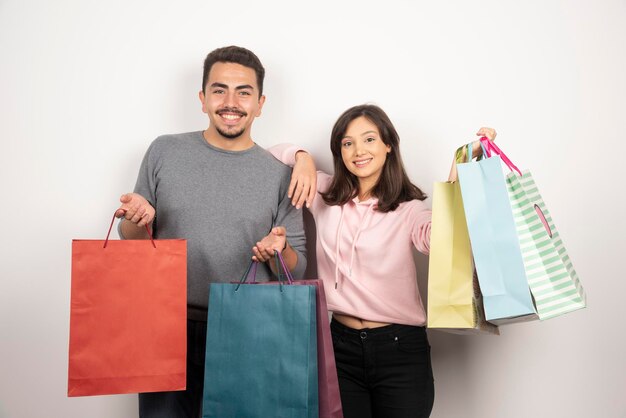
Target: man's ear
<point>201,97</point>
<point>261,103</point>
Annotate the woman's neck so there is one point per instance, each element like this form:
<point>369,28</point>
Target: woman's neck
<point>364,194</point>
<point>366,188</point>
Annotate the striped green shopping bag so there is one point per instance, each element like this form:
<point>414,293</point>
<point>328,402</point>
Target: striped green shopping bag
<point>553,282</point>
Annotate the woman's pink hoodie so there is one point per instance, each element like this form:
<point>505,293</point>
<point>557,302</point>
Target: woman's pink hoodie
<point>365,257</point>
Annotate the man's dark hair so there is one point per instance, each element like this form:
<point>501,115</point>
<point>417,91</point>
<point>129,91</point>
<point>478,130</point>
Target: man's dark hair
<point>237,55</point>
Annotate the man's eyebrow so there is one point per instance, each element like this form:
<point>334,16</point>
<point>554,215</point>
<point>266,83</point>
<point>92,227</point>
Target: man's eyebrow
<point>224,86</point>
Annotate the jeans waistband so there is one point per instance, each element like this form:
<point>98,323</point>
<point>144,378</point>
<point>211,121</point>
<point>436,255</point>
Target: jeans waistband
<point>381,333</point>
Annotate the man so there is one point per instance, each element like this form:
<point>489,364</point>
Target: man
<point>220,191</point>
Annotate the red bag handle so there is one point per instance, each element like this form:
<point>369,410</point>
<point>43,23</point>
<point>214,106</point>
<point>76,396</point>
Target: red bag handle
<point>106,241</point>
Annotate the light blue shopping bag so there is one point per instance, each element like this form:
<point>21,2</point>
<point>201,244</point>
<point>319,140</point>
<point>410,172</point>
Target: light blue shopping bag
<point>494,242</point>
<point>553,282</point>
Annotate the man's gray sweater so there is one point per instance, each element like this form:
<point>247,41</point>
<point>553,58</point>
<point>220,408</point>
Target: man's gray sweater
<point>222,203</point>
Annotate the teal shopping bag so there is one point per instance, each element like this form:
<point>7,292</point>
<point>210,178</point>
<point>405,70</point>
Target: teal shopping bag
<point>495,246</point>
<point>261,352</point>
<point>327,381</point>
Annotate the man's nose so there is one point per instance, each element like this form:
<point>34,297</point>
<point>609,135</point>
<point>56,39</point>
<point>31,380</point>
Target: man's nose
<point>230,99</point>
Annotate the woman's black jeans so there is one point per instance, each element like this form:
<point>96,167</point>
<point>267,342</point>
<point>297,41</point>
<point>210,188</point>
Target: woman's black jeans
<point>384,372</point>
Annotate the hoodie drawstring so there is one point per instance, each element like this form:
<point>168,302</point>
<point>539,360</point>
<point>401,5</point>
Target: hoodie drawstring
<point>337,247</point>
<point>362,225</point>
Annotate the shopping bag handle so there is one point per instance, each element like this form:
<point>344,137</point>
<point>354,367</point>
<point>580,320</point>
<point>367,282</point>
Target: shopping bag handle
<point>280,262</point>
<point>468,154</point>
<point>490,146</point>
<point>279,255</point>
<point>254,263</point>
<point>106,241</point>
<point>251,266</point>
<point>458,155</point>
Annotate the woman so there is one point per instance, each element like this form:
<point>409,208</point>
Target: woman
<point>368,219</point>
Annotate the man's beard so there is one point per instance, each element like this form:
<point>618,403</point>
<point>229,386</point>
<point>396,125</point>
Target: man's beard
<point>231,135</point>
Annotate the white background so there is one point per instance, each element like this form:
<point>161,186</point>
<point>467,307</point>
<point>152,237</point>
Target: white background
<point>85,86</point>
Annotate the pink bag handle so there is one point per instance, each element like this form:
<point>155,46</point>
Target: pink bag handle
<point>285,269</point>
<point>490,146</point>
<point>106,241</point>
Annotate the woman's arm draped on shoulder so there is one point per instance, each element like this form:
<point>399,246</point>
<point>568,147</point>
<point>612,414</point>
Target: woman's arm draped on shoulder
<point>303,185</point>
<point>285,153</point>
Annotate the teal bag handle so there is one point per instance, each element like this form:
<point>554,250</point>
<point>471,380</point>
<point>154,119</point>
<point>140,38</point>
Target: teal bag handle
<point>281,268</point>
<point>486,153</point>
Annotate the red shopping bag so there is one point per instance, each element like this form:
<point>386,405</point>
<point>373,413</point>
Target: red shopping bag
<point>128,316</point>
<point>328,383</point>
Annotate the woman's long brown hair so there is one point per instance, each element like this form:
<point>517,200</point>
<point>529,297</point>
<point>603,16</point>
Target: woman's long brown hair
<point>393,186</point>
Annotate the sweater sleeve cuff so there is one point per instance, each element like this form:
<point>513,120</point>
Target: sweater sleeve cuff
<point>285,153</point>
<point>299,269</point>
<point>119,228</point>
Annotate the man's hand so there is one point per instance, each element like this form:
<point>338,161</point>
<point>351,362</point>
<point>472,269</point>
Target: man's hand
<point>303,186</point>
<point>276,240</point>
<point>136,209</point>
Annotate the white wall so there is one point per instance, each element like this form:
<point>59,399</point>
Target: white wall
<point>85,86</point>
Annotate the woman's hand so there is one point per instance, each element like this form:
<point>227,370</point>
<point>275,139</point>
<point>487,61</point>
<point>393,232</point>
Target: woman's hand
<point>489,133</point>
<point>303,186</point>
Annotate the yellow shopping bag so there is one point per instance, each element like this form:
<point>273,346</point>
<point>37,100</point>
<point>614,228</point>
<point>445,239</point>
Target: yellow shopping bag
<point>454,298</point>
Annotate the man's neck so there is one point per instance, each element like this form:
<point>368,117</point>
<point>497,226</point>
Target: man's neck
<point>240,143</point>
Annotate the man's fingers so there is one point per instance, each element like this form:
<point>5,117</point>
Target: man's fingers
<point>137,214</point>
<point>261,251</point>
<point>130,212</point>
<point>145,219</point>
<point>257,255</point>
